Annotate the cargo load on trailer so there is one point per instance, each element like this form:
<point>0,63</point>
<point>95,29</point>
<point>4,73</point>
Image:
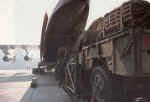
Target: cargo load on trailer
<point>128,15</point>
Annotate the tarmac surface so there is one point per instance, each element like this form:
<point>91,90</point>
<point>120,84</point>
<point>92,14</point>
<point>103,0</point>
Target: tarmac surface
<point>15,87</point>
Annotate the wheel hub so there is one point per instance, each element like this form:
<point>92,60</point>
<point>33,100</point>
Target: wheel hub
<point>98,89</point>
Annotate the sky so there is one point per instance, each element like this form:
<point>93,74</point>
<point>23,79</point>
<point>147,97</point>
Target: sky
<point>21,20</point>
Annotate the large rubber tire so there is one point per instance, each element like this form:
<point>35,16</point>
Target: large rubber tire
<point>101,83</point>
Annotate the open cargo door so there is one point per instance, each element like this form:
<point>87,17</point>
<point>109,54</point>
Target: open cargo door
<point>65,25</point>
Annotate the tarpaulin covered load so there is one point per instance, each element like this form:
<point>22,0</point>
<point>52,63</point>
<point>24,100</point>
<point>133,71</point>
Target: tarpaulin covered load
<point>64,26</point>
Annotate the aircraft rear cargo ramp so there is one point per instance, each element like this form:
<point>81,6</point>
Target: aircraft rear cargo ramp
<point>64,26</point>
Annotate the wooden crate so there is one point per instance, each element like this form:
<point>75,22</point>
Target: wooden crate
<point>127,15</point>
<point>114,21</point>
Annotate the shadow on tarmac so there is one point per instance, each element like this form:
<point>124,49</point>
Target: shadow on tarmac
<point>47,91</point>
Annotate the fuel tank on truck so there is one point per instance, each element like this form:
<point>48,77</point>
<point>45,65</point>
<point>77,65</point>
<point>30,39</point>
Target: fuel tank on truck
<point>64,26</point>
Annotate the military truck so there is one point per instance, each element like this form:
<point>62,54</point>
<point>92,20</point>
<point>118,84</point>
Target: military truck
<point>111,61</point>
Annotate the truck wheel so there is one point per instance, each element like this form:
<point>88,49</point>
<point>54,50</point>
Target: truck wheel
<point>101,85</point>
